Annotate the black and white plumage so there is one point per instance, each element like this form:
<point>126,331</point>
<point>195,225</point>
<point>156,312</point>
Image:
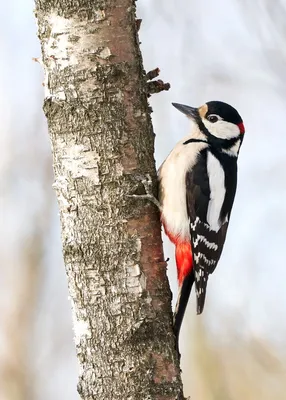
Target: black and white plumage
<point>197,185</point>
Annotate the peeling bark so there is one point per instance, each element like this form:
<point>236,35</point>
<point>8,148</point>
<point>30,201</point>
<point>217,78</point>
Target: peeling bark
<point>102,141</point>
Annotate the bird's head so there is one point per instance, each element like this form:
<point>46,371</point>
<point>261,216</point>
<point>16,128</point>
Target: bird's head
<point>218,121</point>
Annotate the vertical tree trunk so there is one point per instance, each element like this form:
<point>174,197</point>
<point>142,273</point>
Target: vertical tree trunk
<point>102,141</point>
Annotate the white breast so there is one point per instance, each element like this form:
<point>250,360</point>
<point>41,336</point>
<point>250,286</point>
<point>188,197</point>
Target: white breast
<point>172,175</point>
<point>217,191</point>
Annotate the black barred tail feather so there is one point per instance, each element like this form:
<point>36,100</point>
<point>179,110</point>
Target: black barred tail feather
<point>207,245</point>
<point>201,280</point>
<point>182,302</point>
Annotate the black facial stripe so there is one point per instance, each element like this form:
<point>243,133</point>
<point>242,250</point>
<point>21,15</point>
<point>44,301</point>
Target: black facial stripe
<point>195,141</point>
<point>213,140</point>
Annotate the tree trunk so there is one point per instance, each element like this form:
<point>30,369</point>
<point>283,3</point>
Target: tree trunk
<point>102,142</point>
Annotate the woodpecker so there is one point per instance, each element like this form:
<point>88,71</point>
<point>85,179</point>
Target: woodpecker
<point>197,185</point>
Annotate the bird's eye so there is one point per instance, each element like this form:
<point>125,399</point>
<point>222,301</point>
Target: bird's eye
<point>212,118</point>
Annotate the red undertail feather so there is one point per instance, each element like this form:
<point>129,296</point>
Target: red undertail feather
<point>184,260</point>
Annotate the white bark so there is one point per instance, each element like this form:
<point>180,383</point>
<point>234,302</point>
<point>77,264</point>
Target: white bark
<point>102,140</point>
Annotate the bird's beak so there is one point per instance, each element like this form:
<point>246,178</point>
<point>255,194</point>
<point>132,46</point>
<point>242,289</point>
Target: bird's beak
<point>190,112</point>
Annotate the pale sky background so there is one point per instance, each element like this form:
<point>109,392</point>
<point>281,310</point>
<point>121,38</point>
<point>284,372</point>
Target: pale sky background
<point>217,52</point>
<point>226,50</point>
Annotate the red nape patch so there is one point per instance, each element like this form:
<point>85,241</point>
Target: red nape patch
<point>184,260</point>
<point>241,127</point>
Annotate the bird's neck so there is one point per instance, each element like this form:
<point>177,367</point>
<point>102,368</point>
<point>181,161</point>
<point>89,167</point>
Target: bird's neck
<point>228,146</point>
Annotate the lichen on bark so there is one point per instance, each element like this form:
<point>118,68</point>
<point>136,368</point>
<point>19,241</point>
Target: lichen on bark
<point>102,141</point>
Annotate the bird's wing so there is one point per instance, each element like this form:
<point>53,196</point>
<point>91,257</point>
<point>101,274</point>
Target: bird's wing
<point>207,244</point>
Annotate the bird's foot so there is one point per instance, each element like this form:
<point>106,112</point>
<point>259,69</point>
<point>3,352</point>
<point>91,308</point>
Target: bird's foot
<point>148,186</point>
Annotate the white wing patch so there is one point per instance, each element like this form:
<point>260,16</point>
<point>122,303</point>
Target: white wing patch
<point>195,223</point>
<point>210,245</point>
<point>199,274</point>
<point>217,191</point>
<point>202,256</point>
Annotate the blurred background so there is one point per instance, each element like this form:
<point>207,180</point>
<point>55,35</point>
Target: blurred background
<point>226,50</point>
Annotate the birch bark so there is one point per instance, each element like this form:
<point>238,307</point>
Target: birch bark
<point>102,141</point>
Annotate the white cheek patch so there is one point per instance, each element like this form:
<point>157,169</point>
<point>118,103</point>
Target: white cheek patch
<point>222,129</point>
